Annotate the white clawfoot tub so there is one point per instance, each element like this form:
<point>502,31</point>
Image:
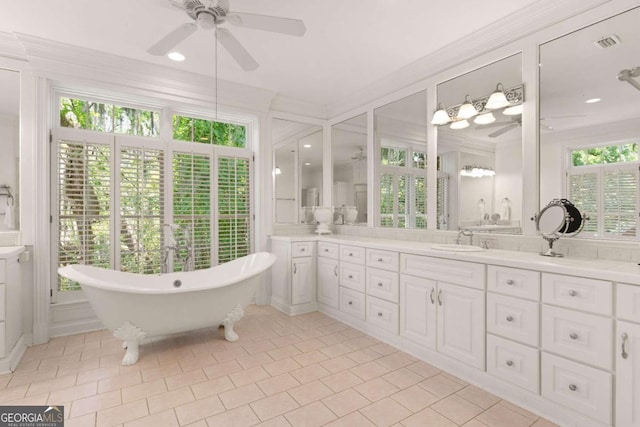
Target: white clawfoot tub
<point>135,306</point>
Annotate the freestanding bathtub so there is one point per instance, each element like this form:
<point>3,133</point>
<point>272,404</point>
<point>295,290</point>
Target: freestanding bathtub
<point>135,306</point>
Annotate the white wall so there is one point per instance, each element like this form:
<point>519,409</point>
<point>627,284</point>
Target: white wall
<point>9,159</point>
<point>508,179</point>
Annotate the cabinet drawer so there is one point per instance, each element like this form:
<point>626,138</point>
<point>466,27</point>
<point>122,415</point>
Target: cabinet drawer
<point>352,276</point>
<point>581,388</point>
<point>386,260</point>
<point>3,301</point>
<point>328,250</point>
<point>382,313</point>
<point>445,270</point>
<point>352,302</point>
<point>382,284</point>
<point>577,292</point>
<point>514,363</point>
<point>354,254</point>
<point>580,336</point>
<point>302,249</point>
<point>513,318</point>
<point>628,302</point>
<point>514,281</point>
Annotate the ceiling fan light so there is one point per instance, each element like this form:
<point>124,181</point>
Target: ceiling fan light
<point>497,99</point>
<point>484,119</point>
<point>176,56</point>
<point>459,124</point>
<point>513,111</point>
<point>467,110</point>
<point>440,117</point>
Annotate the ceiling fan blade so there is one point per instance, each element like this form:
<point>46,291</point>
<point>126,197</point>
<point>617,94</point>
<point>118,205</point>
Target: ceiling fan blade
<point>293,27</point>
<point>178,4</point>
<point>172,39</point>
<point>493,125</point>
<point>503,130</point>
<point>236,50</point>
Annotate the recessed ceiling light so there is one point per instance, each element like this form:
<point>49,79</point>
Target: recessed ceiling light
<point>307,145</point>
<point>307,164</point>
<point>592,100</point>
<point>175,56</point>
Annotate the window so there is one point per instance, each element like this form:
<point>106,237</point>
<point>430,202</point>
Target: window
<point>603,184</point>
<point>403,192</point>
<point>112,185</point>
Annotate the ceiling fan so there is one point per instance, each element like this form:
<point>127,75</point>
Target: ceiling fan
<point>360,155</point>
<point>506,127</point>
<point>208,14</point>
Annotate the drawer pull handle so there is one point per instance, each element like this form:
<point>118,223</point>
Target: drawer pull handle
<point>440,297</point>
<point>379,314</point>
<point>335,271</point>
<point>350,276</point>
<point>350,253</point>
<point>350,303</point>
<point>509,362</point>
<point>509,318</point>
<point>573,293</point>
<point>573,387</point>
<point>380,260</point>
<point>295,268</point>
<point>510,282</point>
<point>433,291</point>
<point>380,284</point>
<point>301,249</point>
<point>624,342</point>
<point>573,336</point>
<point>326,249</point>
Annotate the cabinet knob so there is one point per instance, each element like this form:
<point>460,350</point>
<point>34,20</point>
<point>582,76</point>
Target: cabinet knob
<point>379,314</point>
<point>509,362</point>
<point>380,284</point>
<point>573,336</point>
<point>509,318</point>
<point>380,260</point>
<point>510,282</point>
<point>326,249</point>
<point>301,249</point>
<point>573,387</point>
<point>350,253</point>
<point>573,293</point>
<point>350,276</point>
<point>350,303</point>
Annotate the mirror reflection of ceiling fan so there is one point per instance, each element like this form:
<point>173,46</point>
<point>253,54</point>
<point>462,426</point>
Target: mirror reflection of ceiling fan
<point>208,14</point>
<point>360,155</point>
<point>504,127</point>
<point>548,127</point>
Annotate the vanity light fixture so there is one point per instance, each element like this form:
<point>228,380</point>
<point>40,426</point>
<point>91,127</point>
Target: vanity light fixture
<point>467,110</point>
<point>497,99</point>
<point>278,171</point>
<point>459,124</point>
<point>440,117</point>
<point>474,171</point>
<point>307,145</point>
<point>513,111</point>
<point>484,119</point>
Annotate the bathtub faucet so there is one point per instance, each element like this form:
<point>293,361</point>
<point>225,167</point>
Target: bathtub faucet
<point>176,247</point>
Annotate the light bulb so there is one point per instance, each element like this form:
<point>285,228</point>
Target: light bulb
<point>484,119</point>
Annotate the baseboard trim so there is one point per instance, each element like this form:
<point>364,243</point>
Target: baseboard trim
<point>8,364</point>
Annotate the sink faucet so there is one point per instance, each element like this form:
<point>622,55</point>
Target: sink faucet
<point>466,233</point>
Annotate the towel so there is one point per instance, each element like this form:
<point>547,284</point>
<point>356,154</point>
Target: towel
<point>10,214</point>
<point>506,209</point>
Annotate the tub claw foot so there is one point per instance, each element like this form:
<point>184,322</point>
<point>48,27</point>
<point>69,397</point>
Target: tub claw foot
<point>131,336</point>
<point>228,322</point>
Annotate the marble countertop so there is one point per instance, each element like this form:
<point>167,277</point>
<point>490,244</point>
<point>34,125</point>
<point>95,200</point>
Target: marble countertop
<point>615,271</point>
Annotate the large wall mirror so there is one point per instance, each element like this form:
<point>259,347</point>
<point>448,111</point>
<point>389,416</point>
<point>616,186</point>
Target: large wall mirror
<point>10,149</point>
<point>480,157</point>
<point>297,163</point>
<point>590,124</point>
<point>349,157</point>
<point>401,163</point>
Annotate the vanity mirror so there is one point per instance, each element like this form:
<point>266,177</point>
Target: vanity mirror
<point>349,157</point>
<point>10,149</point>
<point>479,135</point>
<point>297,171</point>
<point>401,164</point>
<point>559,218</point>
<point>589,123</point>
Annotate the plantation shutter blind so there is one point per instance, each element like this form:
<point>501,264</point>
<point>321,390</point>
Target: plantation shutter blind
<point>192,203</point>
<point>141,200</point>
<point>584,193</point>
<point>234,207</point>
<point>442,192</point>
<point>620,200</point>
<point>83,206</point>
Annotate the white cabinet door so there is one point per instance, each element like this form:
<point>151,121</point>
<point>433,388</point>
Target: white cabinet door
<point>302,289</point>
<point>280,274</point>
<point>628,375</point>
<point>418,310</point>
<point>328,281</point>
<point>461,323</point>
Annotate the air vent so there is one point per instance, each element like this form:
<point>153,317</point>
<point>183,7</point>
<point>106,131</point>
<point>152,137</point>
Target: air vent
<point>607,41</point>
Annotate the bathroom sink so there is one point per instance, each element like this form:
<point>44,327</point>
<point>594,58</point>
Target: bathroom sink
<point>452,247</point>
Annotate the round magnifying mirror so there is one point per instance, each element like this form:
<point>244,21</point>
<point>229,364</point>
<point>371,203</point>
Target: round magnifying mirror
<point>551,219</point>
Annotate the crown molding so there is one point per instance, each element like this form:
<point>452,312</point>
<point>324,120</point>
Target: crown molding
<point>286,104</point>
<point>71,65</point>
<point>527,21</point>
<point>10,47</point>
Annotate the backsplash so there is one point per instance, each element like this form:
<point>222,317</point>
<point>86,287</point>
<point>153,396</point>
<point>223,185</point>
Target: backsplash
<point>575,247</point>
<point>9,238</point>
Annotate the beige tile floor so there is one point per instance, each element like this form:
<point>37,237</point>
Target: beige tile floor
<point>306,370</point>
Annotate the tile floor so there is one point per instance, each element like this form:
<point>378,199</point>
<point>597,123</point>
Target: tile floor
<point>306,370</point>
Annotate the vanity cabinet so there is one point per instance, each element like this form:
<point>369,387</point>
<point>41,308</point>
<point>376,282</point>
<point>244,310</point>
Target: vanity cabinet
<point>328,282</point>
<point>10,303</point>
<point>627,354</point>
<point>439,314</point>
<point>382,289</point>
<point>293,276</point>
